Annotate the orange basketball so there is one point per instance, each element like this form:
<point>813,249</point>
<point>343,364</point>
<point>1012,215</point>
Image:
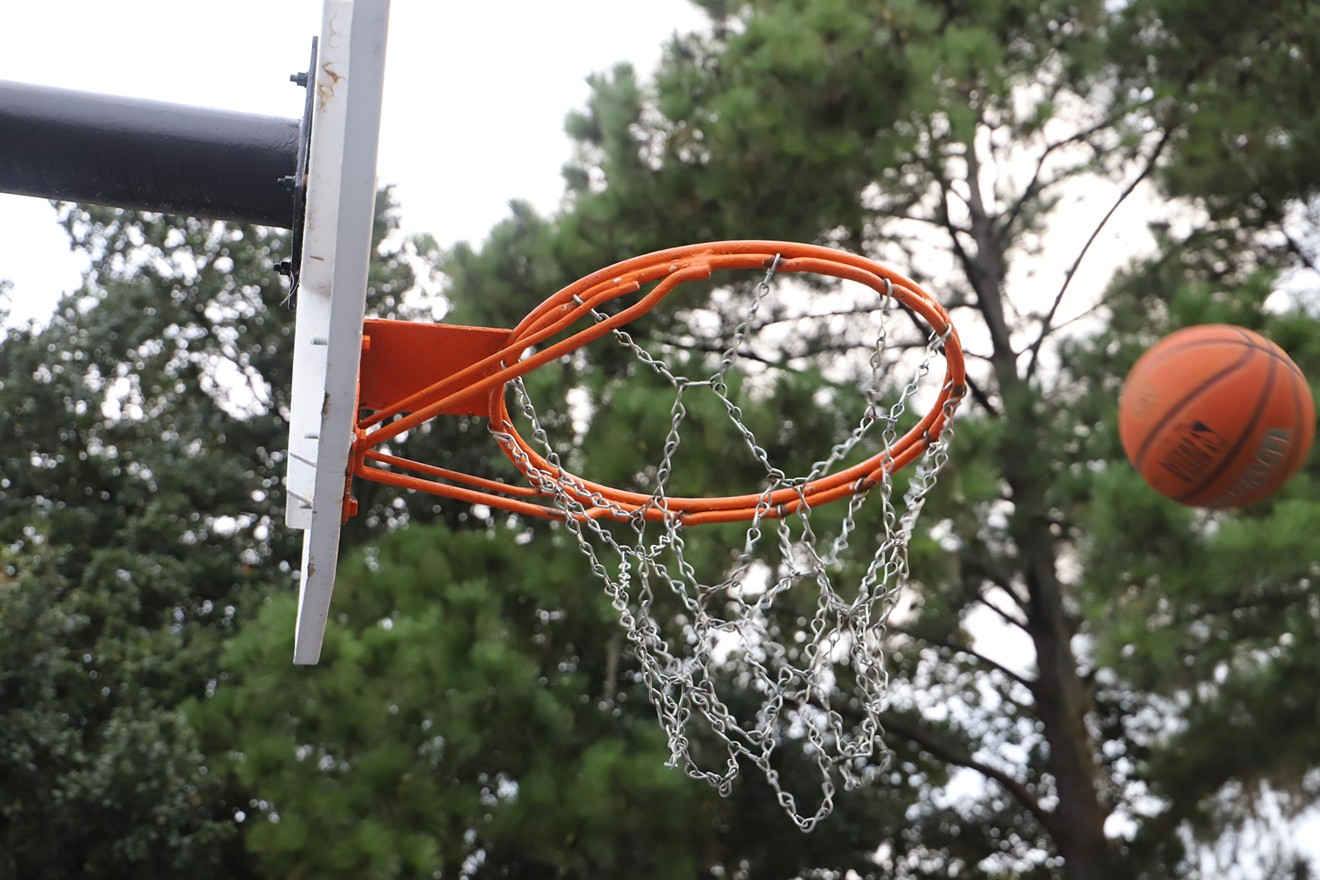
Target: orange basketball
<point>1216,416</point>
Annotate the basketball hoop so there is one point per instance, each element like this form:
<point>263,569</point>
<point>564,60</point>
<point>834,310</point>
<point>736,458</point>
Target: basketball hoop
<point>821,682</point>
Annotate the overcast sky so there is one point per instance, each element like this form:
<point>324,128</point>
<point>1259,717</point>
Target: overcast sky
<point>475,93</point>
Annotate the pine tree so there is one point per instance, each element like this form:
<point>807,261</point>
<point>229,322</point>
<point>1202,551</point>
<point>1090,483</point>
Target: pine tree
<point>1087,680</point>
<point>141,435</point>
<point>952,140</point>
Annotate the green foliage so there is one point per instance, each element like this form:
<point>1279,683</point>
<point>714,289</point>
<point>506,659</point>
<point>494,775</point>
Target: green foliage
<point>1245,86</point>
<point>130,567</point>
<point>1207,616</point>
<point>1074,654</point>
<point>99,775</point>
<point>910,130</point>
<point>474,713</point>
<point>141,435</point>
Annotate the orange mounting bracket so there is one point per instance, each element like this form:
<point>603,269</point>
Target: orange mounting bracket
<point>401,359</point>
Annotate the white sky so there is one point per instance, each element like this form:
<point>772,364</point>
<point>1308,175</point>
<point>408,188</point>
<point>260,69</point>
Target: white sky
<point>476,93</point>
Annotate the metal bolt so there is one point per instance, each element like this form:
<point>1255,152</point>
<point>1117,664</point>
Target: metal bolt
<point>284,267</point>
<point>299,79</point>
<point>287,182</point>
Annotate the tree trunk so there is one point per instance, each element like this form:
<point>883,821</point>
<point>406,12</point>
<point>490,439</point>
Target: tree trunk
<point>1062,703</point>
<point>1062,698</point>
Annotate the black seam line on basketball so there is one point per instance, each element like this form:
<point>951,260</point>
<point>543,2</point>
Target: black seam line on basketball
<point>1232,454</point>
<point>1288,362</point>
<point>1272,350</point>
<point>1241,339</point>
<point>1186,400</point>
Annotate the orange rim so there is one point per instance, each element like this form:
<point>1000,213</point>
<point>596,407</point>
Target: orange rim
<point>668,268</point>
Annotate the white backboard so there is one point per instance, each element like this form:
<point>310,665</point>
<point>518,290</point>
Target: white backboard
<point>347,82</point>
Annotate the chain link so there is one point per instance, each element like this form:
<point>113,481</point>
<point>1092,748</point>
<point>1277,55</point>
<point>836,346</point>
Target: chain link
<point>822,685</point>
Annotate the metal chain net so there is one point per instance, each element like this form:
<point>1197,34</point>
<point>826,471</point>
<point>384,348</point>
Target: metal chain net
<point>704,643</point>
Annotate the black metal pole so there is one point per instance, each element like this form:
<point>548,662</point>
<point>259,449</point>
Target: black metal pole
<point>148,155</point>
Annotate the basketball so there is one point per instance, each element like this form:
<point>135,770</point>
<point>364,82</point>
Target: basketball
<point>1216,416</point>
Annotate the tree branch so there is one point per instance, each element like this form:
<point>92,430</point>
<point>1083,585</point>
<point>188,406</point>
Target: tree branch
<point>1034,186</point>
<point>1047,322</point>
<point>986,273</point>
<point>1004,615</point>
<point>712,347</point>
<point>950,645</point>
<point>840,313</point>
<point>944,218</point>
<point>1080,316</point>
<point>1294,246</point>
<point>950,753</point>
<point>977,393</point>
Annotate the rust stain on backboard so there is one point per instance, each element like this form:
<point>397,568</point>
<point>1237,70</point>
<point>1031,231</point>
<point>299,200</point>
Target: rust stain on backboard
<point>326,85</point>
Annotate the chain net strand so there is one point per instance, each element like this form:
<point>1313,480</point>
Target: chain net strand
<point>704,642</point>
